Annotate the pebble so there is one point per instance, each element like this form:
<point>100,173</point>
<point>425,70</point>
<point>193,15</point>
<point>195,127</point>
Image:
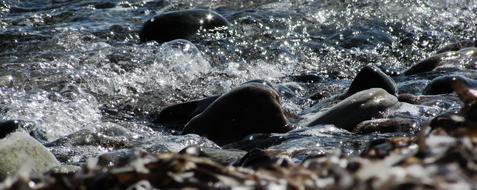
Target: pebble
<point>443,84</point>
<point>21,152</point>
<point>182,24</point>
<point>250,108</point>
<point>359,107</point>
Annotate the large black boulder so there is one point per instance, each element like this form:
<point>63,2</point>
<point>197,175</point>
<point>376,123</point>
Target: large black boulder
<point>250,108</point>
<point>180,25</point>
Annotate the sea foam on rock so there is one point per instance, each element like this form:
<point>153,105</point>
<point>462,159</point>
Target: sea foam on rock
<point>180,25</point>
<point>359,107</point>
<point>20,150</point>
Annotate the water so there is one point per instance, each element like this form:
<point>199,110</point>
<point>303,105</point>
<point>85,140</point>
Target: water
<point>76,67</point>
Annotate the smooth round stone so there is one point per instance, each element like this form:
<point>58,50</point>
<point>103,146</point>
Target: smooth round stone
<point>371,77</point>
<point>425,65</point>
<point>180,25</point>
<point>176,116</point>
<point>387,125</point>
<point>359,107</point>
<point>250,108</point>
<point>458,45</point>
<point>21,151</point>
<point>443,84</point>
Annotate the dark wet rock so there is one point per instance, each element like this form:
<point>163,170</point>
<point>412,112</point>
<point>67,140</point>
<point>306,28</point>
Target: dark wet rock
<point>176,116</point>
<point>387,125</point>
<point>443,84</point>
<point>371,77</point>
<point>250,108</point>
<point>21,150</point>
<point>425,65</point>
<point>458,45</point>
<point>7,127</point>
<point>180,25</point>
<point>359,107</point>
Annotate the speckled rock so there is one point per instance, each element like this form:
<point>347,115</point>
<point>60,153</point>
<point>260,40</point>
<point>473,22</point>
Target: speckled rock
<point>19,151</point>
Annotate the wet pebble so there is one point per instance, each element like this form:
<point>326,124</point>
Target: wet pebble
<point>449,61</point>
<point>182,24</point>
<point>443,84</point>
<point>359,107</point>
<point>387,125</point>
<point>425,65</point>
<point>458,45</point>
<point>250,108</point>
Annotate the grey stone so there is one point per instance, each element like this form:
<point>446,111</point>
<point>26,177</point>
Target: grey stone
<point>359,107</point>
<point>19,151</point>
